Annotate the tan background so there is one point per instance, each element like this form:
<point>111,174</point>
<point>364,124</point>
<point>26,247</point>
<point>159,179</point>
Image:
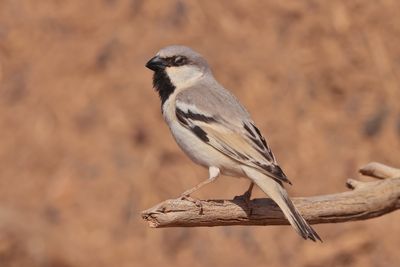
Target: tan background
<point>84,149</point>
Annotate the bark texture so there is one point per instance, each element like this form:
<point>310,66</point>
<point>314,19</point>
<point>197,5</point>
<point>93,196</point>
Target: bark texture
<point>365,200</point>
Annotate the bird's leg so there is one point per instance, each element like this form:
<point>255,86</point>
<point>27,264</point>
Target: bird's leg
<point>213,174</point>
<point>247,194</point>
<point>246,197</point>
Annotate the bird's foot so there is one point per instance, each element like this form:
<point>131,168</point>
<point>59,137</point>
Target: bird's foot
<point>195,201</point>
<point>245,197</point>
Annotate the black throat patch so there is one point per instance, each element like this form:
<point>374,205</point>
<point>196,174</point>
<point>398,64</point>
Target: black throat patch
<point>163,85</point>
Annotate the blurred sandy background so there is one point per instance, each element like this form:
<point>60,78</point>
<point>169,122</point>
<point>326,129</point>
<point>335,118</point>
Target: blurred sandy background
<point>84,149</point>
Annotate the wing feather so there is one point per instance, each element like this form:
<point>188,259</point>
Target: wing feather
<point>242,142</point>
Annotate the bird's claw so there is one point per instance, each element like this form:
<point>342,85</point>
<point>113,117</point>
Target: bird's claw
<point>195,201</point>
<point>245,197</point>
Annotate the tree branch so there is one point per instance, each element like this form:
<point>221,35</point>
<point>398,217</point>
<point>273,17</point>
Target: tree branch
<point>366,200</point>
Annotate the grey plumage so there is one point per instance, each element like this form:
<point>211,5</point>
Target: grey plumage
<point>218,101</point>
<point>215,130</point>
<point>226,110</point>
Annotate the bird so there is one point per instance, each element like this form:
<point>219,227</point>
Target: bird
<point>215,131</point>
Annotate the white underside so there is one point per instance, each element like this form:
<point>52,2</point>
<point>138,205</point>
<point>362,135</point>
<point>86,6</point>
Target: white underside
<point>195,148</point>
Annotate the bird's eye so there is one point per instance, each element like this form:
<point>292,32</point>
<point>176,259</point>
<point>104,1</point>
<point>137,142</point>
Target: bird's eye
<point>179,60</point>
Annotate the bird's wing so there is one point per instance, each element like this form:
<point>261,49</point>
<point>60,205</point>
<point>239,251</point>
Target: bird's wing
<point>229,132</point>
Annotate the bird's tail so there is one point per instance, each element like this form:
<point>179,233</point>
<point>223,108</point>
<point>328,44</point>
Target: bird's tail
<point>279,195</point>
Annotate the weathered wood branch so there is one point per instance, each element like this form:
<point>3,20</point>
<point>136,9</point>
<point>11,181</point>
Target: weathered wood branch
<point>379,170</point>
<point>366,200</point>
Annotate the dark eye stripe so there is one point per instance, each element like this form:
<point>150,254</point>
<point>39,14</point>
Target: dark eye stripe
<point>177,60</point>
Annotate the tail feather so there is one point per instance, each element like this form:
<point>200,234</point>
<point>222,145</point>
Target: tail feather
<point>279,195</point>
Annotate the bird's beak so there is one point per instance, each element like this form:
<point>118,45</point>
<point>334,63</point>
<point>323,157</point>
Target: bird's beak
<point>156,63</point>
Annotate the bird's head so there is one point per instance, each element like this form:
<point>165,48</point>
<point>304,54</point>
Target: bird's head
<point>177,66</point>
